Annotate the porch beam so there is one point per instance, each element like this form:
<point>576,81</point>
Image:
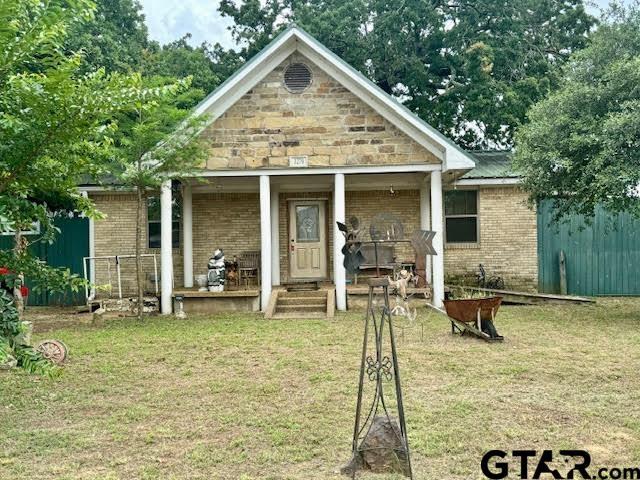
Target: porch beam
<point>187,234</point>
<point>265,241</point>
<point>166,248</point>
<point>438,241</point>
<point>425,221</point>
<point>339,273</point>
<point>429,167</point>
<point>275,237</point>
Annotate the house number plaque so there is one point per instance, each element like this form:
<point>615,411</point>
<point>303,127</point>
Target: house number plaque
<point>299,162</point>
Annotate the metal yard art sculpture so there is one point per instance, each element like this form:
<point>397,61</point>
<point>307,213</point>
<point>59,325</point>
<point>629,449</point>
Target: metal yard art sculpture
<point>380,442</point>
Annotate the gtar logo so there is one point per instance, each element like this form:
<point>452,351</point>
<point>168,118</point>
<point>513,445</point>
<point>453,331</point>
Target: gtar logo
<point>495,465</point>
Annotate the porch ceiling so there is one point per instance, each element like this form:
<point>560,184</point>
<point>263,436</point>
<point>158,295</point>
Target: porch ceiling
<point>315,183</point>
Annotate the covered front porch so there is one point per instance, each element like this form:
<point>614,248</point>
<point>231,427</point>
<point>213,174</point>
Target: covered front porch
<point>287,217</point>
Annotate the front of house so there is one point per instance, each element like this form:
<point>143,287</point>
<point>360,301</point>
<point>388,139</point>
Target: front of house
<point>300,140</point>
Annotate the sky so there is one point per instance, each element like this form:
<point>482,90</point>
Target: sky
<point>169,20</point>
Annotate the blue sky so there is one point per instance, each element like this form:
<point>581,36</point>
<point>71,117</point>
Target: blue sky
<point>168,20</point>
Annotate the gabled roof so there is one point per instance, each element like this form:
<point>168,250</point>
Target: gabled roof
<point>295,39</point>
<point>491,164</point>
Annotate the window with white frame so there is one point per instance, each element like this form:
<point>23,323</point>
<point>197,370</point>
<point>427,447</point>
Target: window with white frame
<point>461,216</point>
<point>34,230</point>
<point>153,221</point>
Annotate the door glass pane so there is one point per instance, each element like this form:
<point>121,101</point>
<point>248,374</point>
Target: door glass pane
<point>307,223</point>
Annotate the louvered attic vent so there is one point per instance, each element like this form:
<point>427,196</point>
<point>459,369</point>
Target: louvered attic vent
<point>297,77</point>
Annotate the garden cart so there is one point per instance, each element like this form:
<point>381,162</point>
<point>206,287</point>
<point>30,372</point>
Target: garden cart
<point>474,316</point>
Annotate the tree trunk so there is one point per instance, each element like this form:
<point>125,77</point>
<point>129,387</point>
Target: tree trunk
<point>18,250</point>
<point>139,272</point>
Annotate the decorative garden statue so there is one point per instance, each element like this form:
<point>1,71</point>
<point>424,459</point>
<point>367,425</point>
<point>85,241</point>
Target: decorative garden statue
<point>380,442</point>
<point>216,272</point>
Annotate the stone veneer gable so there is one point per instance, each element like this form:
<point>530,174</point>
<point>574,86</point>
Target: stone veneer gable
<point>327,123</point>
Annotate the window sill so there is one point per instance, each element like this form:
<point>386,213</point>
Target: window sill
<point>461,246</point>
<point>157,250</point>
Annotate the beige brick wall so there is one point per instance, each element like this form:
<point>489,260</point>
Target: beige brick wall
<point>404,204</point>
<point>326,122</point>
<point>231,221</point>
<point>116,235</point>
<point>508,241</point>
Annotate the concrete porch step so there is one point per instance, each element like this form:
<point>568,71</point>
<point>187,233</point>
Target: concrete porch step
<point>305,304</point>
<point>299,316</point>
<point>309,307</point>
<point>302,300</point>
<point>303,293</point>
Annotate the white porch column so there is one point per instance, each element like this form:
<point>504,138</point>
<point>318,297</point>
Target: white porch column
<point>425,221</point>
<point>339,273</point>
<point>166,254</point>
<point>438,241</point>
<point>265,240</point>
<point>275,238</point>
<point>187,236</point>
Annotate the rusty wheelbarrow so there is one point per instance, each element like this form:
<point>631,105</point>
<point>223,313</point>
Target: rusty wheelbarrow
<point>474,316</point>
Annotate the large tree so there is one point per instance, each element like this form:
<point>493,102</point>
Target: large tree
<point>114,38</point>
<point>178,59</point>
<point>117,39</point>
<point>581,146</point>
<point>56,125</point>
<point>159,141</point>
<point>471,68</point>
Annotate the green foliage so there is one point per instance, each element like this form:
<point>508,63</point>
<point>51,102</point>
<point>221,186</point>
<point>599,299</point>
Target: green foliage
<point>157,138</point>
<point>56,123</point>
<point>158,141</point>
<point>471,68</point>
<point>114,39</point>
<point>12,332</point>
<point>178,59</point>
<point>582,144</point>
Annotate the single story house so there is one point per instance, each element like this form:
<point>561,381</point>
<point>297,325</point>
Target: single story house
<point>300,140</point>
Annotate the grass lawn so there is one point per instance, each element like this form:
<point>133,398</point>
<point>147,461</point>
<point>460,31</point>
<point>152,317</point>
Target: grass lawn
<point>238,397</point>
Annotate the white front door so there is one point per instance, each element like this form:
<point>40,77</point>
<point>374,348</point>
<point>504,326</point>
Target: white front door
<point>308,239</point>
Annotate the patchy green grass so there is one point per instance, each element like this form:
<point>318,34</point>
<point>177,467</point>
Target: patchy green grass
<point>239,397</point>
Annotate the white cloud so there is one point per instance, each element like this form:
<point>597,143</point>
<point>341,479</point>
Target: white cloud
<point>170,20</point>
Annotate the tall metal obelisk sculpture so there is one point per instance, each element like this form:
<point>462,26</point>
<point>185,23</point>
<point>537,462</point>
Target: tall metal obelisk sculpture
<point>380,442</point>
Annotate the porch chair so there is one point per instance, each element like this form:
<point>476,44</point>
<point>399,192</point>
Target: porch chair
<point>249,267</point>
<point>386,259</point>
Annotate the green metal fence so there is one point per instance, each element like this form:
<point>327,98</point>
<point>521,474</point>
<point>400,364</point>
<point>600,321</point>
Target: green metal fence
<point>70,246</point>
<point>601,259</point>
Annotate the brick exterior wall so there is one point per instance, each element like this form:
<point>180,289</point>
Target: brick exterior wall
<point>326,122</point>
<point>508,244</point>
<point>231,221</point>
<point>404,204</point>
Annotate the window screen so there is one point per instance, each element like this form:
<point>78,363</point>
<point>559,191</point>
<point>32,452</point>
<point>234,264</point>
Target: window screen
<point>461,216</point>
<point>153,219</point>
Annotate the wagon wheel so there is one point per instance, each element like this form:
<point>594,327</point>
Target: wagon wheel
<point>53,350</point>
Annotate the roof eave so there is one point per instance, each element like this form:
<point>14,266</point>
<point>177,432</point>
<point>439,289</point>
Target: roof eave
<point>294,38</point>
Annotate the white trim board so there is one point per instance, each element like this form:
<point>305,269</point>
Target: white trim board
<point>295,39</point>
<point>486,181</point>
<point>321,170</point>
